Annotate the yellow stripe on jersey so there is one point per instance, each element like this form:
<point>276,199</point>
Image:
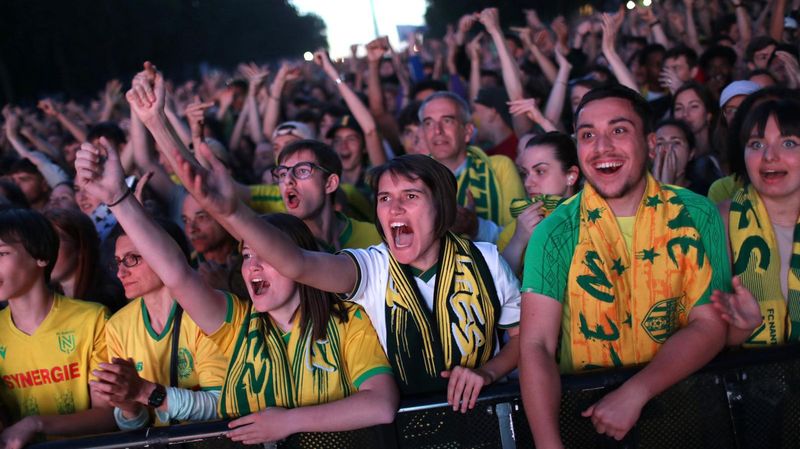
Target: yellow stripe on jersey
<point>129,333</point>
<point>47,373</point>
<point>266,198</point>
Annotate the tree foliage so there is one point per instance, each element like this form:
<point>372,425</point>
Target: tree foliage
<point>75,46</point>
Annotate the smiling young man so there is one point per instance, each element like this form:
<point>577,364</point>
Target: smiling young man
<point>621,274</point>
<point>308,174</point>
<point>486,184</point>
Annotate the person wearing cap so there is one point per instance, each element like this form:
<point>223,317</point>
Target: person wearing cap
<point>733,95</point>
<point>288,132</point>
<point>308,175</point>
<point>486,184</point>
<point>493,122</point>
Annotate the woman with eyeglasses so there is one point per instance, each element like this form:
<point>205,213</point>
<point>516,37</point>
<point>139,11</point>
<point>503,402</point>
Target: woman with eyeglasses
<point>763,221</point>
<point>299,360</point>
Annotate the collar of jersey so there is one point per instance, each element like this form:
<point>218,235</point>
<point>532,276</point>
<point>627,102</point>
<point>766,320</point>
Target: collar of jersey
<point>167,327</point>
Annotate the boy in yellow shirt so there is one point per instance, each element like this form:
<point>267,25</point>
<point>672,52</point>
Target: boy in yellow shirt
<point>49,344</point>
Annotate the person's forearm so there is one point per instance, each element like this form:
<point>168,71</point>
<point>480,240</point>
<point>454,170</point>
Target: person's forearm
<point>541,394</point>
<point>558,94</point>
<point>374,90</point>
<point>367,123</point>
<point>513,253</point>
<point>273,111</point>
<point>94,420</point>
<point>686,351</point>
<point>238,129</point>
<point>77,131</point>
<point>618,68</point>
<point>658,34</point>
<point>508,67</point>
<point>548,68</point>
<point>362,409</point>
<point>776,21</point>
<point>51,172</point>
<point>474,79</point>
<point>142,153</point>
<point>168,141</point>
<point>43,145</point>
<point>505,360</point>
<point>691,32</point>
<point>180,127</point>
<point>253,120</point>
<point>743,21</point>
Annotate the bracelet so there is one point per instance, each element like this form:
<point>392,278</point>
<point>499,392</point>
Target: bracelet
<point>338,80</point>
<point>657,22</point>
<point>124,195</point>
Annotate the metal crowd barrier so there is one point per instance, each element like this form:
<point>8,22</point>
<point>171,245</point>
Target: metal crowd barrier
<point>745,399</point>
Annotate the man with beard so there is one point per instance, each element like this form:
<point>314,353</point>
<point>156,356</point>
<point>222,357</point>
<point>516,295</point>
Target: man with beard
<point>621,274</point>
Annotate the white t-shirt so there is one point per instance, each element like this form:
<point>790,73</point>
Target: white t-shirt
<point>373,275</point>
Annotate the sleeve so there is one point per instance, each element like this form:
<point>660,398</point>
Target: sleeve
<point>370,263</point>
<point>100,351</point>
<point>363,354</point>
<point>712,233</point>
<point>488,231</point>
<point>211,363</point>
<point>225,336</point>
<point>188,405</point>
<point>52,173</point>
<point>137,422</point>
<point>549,255</point>
<point>506,284</point>
<point>510,186</point>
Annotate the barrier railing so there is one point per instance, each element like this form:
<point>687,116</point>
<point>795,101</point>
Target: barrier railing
<point>746,399</point>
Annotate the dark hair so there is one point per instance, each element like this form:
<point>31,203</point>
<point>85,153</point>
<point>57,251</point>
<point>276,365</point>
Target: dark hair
<point>640,106</point>
<point>786,114</point>
<point>734,151</point>
<point>172,229</point>
<point>757,44</point>
<point>409,115</point>
<point>651,49</point>
<point>30,229</point>
<point>788,48</point>
<point>91,275</point>
<point>11,191</point>
<point>438,178</point>
<point>757,72</point>
<point>680,124</point>
<point>701,91</point>
<point>316,306</point>
<point>563,148</point>
<point>717,51</point>
<point>23,166</point>
<point>325,155</point>
<point>686,52</point>
<point>110,131</point>
<point>434,85</point>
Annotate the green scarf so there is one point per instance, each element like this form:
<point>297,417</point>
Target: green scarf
<point>479,179</point>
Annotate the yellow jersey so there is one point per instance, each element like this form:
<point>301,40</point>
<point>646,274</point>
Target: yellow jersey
<point>266,198</point>
<point>47,373</point>
<point>129,334</point>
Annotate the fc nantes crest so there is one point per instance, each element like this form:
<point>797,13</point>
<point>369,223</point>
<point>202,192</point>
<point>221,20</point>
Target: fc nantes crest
<point>66,342</point>
<point>662,319</point>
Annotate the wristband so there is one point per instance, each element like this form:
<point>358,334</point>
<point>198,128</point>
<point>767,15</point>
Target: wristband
<point>657,22</point>
<point>338,80</point>
<point>124,195</point>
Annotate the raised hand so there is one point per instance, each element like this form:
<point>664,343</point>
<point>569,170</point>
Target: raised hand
<point>99,171</point>
<point>322,59</point>
<point>254,74</point>
<point>195,114</point>
<point>532,19</point>
<point>611,26</point>
<point>474,47</point>
<point>527,221</point>
<point>559,26</point>
<point>48,106</point>
<point>669,80</point>
<point>376,49</point>
<point>530,109</point>
<point>563,63</point>
<point>490,19</point>
<point>214,189</point>
<point>146,95</point>
<point>739,309</point>
<point>112,94</point>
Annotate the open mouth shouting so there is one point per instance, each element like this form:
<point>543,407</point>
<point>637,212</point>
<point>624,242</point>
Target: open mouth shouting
<point>402,235</point>
<point>773,176</point>
<point>258,286</point>
<point>291,199</point>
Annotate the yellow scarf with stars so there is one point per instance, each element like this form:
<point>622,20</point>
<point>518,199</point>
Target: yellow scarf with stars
<point>758,263</point>
<point>622,303</point>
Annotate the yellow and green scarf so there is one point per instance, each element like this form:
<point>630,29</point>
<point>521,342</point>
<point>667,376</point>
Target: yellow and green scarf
<point>479,179</point>
<point>624,303</point>
<point>549,204</point>
<point>459,331</point>
<point>266,370</point>
<point>758,264</point>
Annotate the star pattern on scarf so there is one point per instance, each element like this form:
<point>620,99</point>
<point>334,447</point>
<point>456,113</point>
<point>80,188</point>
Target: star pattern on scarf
<point>649,255</point>
<point>593,214</point>
<point>653,201</point>
<point>618,267</point>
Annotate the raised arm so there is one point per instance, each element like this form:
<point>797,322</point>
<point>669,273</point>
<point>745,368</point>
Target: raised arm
<point>51,172</point>
<point>656,28</point>
<point>611,25</point>
<point>532,44</point>
<point>776,21</point>
<point>474,53</point>
<point>512,80</point>
<point>365,120</point>
<point>249,118</point>
<point>539,378</point>
<point>558,94</point>
<point>744,22</point>
<point>79,132</point>
<point>285,74</point>
<point>100,173</point>
<point>528,108</point>
<point>691,27</point>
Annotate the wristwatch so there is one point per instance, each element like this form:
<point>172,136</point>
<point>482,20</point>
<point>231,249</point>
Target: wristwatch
<point>157,396</point>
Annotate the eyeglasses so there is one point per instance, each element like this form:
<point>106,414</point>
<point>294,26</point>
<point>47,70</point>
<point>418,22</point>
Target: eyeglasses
<point>302,170</point>
<point>129,261</point>
<point>351,139</point>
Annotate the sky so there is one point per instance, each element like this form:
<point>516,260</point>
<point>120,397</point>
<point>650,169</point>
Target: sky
<point>350,21</point>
